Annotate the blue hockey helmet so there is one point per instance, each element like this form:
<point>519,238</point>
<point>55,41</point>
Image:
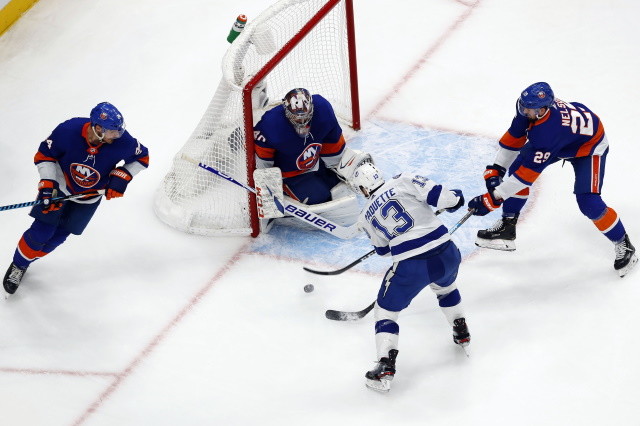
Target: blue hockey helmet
<point>298,108</point>
<point>536,96</point>
<point>108,117</point>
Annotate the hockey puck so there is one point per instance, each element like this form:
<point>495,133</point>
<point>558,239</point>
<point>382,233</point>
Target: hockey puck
<point>308,288</point>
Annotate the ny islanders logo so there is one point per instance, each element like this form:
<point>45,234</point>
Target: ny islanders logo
<point>83,175</point>
<point>309,157</point>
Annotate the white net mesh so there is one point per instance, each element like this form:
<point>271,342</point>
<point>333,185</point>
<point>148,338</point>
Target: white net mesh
<point>197,201</point>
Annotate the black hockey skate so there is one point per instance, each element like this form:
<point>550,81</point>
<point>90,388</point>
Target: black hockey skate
<point>12,279</point>
<point>461,334</point>
<point>501,236</point>
<point>626,257</point>
<point>379,379</point>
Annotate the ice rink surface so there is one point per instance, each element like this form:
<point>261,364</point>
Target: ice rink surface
<point>134,323</point>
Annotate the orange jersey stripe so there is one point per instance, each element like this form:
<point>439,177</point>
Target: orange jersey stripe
<point>526,174</point>
<point>607,220</point>
<point>144,160</point>
<point>265,153</point>
<point>524,192</point>
<point>40,157</point>
<point>512,142</point>
<point>585,149</point>
<point>333,148</point>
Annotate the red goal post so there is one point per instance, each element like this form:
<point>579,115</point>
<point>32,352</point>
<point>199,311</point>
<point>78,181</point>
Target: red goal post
<point>294,43</point>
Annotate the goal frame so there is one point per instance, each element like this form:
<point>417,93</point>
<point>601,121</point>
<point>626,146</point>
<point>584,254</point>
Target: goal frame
<point>270,65</point>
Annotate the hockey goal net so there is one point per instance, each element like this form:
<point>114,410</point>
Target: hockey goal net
<point>294,43</point>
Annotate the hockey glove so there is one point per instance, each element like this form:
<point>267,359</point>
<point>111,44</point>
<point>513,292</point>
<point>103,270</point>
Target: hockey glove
<point>493,176</point>
<point>460,202</point>
<point>483,204</point>
<point>47,190</point>
<point>118,180</point>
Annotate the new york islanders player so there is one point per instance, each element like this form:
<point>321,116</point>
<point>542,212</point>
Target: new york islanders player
<point>81,155</point>
<point>303,138</point>
<point>544,131</point>
<point>399,220</point>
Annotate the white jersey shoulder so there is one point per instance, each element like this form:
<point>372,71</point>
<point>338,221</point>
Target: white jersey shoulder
<point>398,219</point>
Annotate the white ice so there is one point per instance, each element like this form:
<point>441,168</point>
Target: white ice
<point>134,323</point>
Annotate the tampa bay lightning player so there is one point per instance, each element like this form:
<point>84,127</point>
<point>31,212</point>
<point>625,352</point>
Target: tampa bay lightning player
<point>400,222</point>
<point>81,155</point>
<point>544,131</point>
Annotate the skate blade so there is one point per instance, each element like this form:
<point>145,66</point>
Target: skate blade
<point>382,385</point>
<point>504,245</point>
<point>632,262</point>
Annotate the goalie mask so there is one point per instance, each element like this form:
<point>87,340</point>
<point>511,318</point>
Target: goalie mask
<point>298,108</point>
<point>367,179</point>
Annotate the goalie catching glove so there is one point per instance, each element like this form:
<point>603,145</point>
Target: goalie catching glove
<point>350,161</point>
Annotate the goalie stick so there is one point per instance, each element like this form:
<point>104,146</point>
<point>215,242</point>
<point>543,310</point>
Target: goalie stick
<point>296,210</point>
<point>354,316</point>
<point>65,198</point>
<point>349,266</point>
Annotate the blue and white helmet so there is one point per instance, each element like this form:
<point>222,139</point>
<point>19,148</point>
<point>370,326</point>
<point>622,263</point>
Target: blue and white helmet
<point>536,96</point>
<point>298,108</point>
<point>108,117</point>
<point>367,179</point>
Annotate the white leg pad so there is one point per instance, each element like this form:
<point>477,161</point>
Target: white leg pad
<point>268,184</point>
<point>343,211</point>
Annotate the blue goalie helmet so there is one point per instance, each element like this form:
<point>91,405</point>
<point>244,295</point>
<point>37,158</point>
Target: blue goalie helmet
<point>108,117</point>
<point>298,108</point>
<point>538,95</point>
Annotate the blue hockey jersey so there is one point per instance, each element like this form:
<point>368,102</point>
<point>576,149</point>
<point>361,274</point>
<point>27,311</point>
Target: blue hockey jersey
<point>83,167</point>
<point>567,130</point>
<point>278,145</point>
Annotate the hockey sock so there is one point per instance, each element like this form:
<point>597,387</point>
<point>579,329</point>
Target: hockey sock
<point>604,218</point>
<point>513,205</point>
<point>32,244</point>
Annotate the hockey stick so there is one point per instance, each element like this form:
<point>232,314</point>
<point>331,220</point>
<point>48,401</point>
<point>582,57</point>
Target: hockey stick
<point>349,266</point>
<point>295,210</point>
<point>65,198</point>
<point>354,316</point>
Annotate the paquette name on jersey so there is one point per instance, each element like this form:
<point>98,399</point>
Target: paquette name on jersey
<point>378,202</point>
<point>83,175</point>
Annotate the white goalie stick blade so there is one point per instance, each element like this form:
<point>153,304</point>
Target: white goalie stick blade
<point>268,183</point>
<point>504,245</point>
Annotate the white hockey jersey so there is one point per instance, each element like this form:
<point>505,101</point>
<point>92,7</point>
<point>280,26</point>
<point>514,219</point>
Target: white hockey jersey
<point>398,219</point>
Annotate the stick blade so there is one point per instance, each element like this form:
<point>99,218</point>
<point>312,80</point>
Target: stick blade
<point>348,316</point>
<point>313,271</point>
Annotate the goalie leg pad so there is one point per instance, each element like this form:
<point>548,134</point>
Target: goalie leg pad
<point>343,211</point>
<point>268,184</point>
